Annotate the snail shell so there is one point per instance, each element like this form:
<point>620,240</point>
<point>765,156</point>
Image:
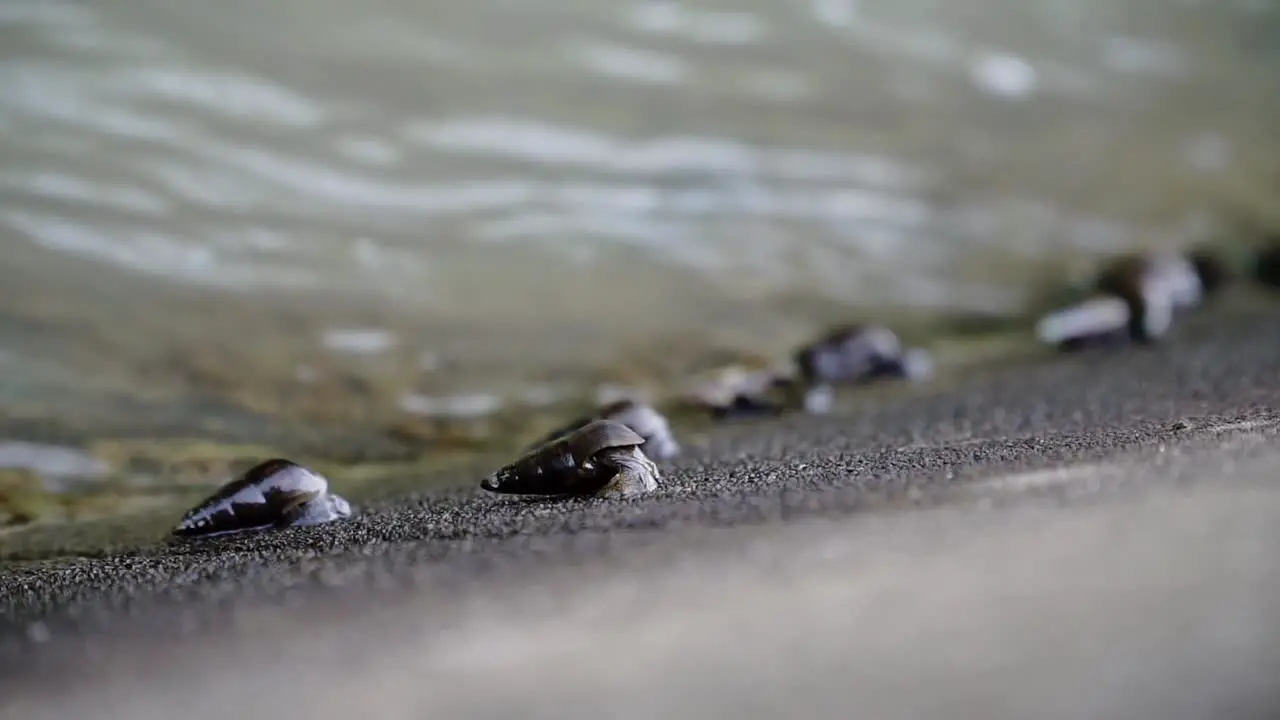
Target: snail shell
<point>737,390</point>
<point>1140,295</point>
<point>857,353</point>
<point>648,423</point>
<point>1154,286</point>
<point>274,493</point>
<point>601,458</point>
<point>1097,321</point>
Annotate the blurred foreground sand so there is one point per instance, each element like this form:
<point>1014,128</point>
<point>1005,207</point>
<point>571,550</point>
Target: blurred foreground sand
<point>1160,603</point>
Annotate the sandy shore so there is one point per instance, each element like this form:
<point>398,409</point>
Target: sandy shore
<point>1086,536</point>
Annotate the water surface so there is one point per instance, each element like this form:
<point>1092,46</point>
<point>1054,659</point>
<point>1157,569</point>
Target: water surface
<point>250,201</point>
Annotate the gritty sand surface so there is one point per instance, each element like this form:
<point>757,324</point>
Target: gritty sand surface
<point>1156,607</point>
<point>1084,537</point>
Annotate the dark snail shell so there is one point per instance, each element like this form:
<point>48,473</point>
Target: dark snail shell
<point>274,493</point>
<point>743,405</point>
<point>1099,321</point>
<point>646,421</point>
<point>858,353</point>
<point>1211,269</point>
<point>736,391</point>
<point>587,461</point>
<point>1153,288</point>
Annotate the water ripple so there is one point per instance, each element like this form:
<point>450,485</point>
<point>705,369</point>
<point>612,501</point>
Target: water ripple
<point>861,149</point>
<point>225,93</point>
<point>44,91</point>
<point>630,63</point>
<point>144,250</point>
<point>662,17</point>
<point>534,141</point>
<point>74,189</point>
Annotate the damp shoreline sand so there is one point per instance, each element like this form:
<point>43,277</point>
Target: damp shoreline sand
<point>1077,440</point>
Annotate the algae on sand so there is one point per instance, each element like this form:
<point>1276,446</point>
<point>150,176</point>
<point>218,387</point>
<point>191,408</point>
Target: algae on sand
<point>114,519</point>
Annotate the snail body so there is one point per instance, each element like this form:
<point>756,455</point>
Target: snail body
<point>276,493</point>
<point>602,458</point>
<point>647,422</point>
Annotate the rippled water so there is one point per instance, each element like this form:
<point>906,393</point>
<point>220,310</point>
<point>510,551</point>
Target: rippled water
<point>615,167</point>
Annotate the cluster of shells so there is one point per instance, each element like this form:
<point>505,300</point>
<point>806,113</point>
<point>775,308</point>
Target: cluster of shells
<point>612,452</point>
<point>609,453</point>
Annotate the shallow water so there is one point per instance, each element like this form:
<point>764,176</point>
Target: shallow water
<point>498,185</point>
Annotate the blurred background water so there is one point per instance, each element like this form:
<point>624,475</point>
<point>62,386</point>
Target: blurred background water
<point>198,194</point>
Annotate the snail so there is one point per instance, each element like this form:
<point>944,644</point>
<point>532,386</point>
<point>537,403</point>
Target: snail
<point>602,458</point>
<point>647,422</point>
<point>857,353</point>
<point>850,354</point>
<point>1096,321</point>
<point>1136,297</point>
<point>737,390</point>
<point>276,493</point>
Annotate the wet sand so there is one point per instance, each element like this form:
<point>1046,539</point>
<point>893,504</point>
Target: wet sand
<point>1090,535</point>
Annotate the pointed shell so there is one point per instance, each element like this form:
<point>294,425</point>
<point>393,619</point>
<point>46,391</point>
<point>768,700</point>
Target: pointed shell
<point>258,498</point>
<point>848,353</point>
<point>564,466</point>
<point>1155,286</point>
<point>1092,318</point>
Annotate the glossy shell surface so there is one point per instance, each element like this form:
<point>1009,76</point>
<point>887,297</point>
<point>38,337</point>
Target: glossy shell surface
<point>1156,287</point>
<point>647,422</point>
<point>848,354</point>
<point>1099,320</point>
<point>274,493</point>
<point>582,462</point>
<point>858,353</point>
<point>1139,296</point>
